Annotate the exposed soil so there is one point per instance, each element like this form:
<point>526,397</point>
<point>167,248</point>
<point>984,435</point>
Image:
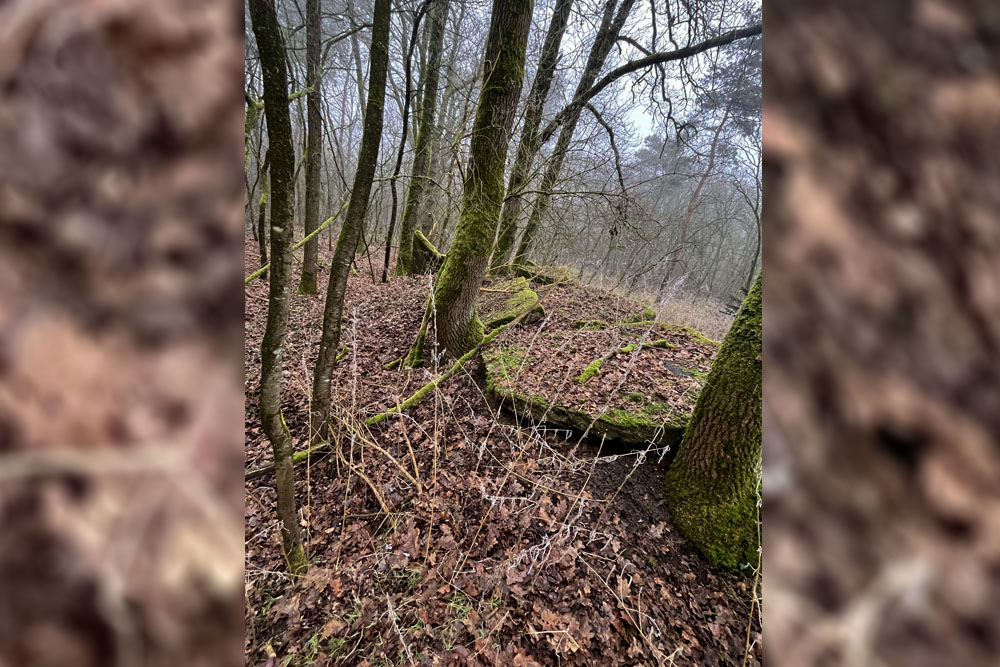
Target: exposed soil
<point>452,534</point>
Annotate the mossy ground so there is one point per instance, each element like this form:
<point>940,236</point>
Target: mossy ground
<point>631,393</point>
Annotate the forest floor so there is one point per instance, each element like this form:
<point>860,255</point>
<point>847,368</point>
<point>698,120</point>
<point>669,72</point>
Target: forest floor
<point>455,534</point>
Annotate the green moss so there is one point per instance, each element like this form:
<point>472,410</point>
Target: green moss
<point>712,484</point>
<point>635,397</point>
<point>543,275</point>
<point>658,408</point>
<point>647,314</point>
<point>663,343</point>
<point>307,284</point>
<point>590,325</point>
<point>512,285</point>
<point>621,417</point>
<point>425,258</point>
<point>593,369</point>
<point>694,372</point>
<point>693,333</point>
<point>519,302</point>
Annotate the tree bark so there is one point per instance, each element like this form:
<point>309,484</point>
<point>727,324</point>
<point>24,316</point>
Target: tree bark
<point>425,135</point>
<point>405,113</point>
<point>314,146</point>
<point>353,227</point>
<point>458,327</point>
<point>265,169</point>
<point>528,144</point>
<point>282,158</point>
<point>712,484</point>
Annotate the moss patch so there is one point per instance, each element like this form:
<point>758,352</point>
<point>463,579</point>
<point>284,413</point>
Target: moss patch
<point>590,325</point>
<point>631,347</point>
<point>712,485</point>
<point>522,299</point>
<point>592,369</point>
<point>425,258</point>
<point>543,275</point>
<point>647,314</point>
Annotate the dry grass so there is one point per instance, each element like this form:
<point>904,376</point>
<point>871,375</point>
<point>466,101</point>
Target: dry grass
<point>698,311</point>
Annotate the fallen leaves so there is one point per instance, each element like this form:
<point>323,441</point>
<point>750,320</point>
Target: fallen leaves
<point>511,553</point>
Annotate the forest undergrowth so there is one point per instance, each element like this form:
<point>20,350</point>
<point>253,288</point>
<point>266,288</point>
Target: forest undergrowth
<point>458,534</point>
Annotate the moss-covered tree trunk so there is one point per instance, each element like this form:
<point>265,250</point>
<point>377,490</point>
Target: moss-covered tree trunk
<point>354,221</point>
<point>457,325</point>
<point>529,143</point>
<point>314,124</point>
<point>712,484</point>
<point>607,34</point>
<point>282,165</point>
<point>425,136</point>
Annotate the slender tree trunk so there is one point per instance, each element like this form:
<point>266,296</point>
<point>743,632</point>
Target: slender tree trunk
<point>607,34</point>
<point>436,234</point>
<point>314,138</point>
<point>407,70</point>
<point>458,327</point>
<point>712,484</point>
<point>353,227</point>
<point>282,165</point>
<point>425,135</point>
<point>695,197</point>
<point>756,254</point>
<point>265,170</point>
<point>528,145</point>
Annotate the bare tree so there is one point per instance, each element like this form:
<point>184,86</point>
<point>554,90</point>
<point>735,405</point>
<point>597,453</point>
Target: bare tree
<point>456,290</point>
<point>354,222</point>
<point>279,128</point>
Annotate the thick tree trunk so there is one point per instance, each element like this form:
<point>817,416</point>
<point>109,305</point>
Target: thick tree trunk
<point>528,145</point>
<point>457,288</point>
<point>425,135</point>
<point>282,165</point>
<point>607,34</point>
<point>314,122</point>
<point>712,484</point>
<point>353,227</point>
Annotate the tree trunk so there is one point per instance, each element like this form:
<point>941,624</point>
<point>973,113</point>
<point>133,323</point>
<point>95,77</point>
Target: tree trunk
<point>611,26</point>
<point>282,165</point>
<point>405,113</point>
<point>528,145</point>
<point>458,326</point>
<point>695,196</point>
<point>353,227</point>
<point>262,212</point>
<point>425,135</point>
<point>712,484</point>
<point>314,122</point>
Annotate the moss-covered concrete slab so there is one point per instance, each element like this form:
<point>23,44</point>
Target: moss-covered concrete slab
<point>543,275</point>
<point>515,297</point>
<point>620,383</point>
